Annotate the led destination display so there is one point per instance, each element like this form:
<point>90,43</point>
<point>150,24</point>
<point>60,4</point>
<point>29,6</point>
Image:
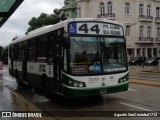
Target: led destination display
<point>95,28</point>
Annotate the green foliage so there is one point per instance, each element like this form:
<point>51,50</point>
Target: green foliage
<point>5,52</point>
<point>1,49</point>
<point>4,55</point>
<point>45,19</point>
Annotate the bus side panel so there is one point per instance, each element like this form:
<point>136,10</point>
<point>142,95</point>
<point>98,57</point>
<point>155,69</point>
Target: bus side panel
<point>35,72</point>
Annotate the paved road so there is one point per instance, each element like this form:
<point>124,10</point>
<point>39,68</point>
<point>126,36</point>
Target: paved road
<point>147,75</point>
<point>6,99</point>
<point>138,98</point>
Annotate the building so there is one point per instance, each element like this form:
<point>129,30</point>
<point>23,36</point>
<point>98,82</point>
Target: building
<point>70,8</point>
<point>141,19</point>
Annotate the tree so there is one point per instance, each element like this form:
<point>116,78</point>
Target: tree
<point>45,19</point>
<point>5,55</point>
<point>1,49</point>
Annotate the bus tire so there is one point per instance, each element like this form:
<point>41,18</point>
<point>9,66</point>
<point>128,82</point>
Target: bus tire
<point>46,87</point>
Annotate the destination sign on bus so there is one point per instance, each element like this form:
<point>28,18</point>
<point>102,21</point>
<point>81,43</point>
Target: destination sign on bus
<point>95,28</point>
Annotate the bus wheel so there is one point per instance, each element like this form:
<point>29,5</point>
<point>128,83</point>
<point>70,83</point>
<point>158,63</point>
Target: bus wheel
<point>46,88</point>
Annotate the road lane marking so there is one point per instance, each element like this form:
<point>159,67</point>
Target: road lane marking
<point>7,97</point>
<point>131,89</point>
<point>135,106</point>
<point>145,82</point>
<point>139,75</point>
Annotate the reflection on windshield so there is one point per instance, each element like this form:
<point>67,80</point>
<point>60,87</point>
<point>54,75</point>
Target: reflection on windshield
<point>97,55</point>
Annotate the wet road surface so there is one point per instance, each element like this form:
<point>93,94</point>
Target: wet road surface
<point>137,98</point>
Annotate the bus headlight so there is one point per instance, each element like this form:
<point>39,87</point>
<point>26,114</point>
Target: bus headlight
<point>70,82</point>
<point>80,84</point>
<point>75,84</point>
<point>123,79</point>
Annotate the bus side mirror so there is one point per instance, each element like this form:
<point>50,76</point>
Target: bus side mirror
<point>66,43</point>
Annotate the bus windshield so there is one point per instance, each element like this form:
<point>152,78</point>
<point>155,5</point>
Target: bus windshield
<point>97,55</point>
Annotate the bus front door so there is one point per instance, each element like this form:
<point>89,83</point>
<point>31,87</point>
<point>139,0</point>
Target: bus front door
<point>24,65</point>
<point>57,68</point>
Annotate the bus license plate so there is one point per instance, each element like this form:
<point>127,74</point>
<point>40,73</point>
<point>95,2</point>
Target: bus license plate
<point>103,91</point>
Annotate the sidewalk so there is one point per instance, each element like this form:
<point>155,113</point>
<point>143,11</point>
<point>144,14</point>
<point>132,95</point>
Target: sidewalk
<point>141,68</point>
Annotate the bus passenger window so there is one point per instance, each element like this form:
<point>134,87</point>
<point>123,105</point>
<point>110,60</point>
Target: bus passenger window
<point>20,51</point>
<point>15,55</point>
<point>32,50</point>
<point>42,48</point>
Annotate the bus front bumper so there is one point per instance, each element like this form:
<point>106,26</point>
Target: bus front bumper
<point>80,92</point>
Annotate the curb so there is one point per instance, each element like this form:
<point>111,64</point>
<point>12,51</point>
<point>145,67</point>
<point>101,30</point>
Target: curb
<point>153,71</point>
<point>142,70</point>
<point>30,106</point>
<point>145,82</point>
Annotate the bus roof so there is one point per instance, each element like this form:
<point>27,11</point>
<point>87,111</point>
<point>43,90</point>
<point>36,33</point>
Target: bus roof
<point>94,19</point>
<point>49,28</point>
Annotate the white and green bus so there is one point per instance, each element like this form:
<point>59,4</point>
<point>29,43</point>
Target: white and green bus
<point>74,58</point>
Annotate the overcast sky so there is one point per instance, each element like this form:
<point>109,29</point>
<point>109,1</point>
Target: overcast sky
<point>17,24</point>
